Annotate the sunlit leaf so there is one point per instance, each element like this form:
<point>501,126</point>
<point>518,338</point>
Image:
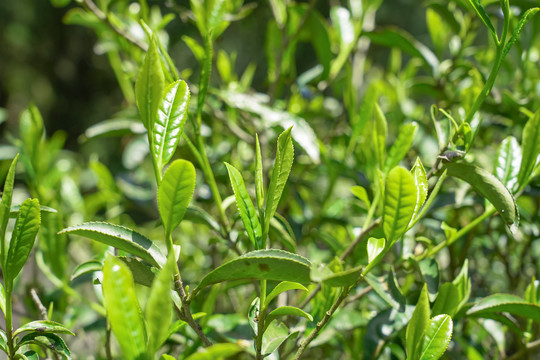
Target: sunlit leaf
<point>436,337</point>
<point>175,192</point>
<point>22,239</point>
<point>216,351</point>
<point>285,311</point>
<point>399,203</point>
<point>282,287</point>
<point>170,120</point>
<point>43,326</point>
<point>47,341</point>
<point>505,303</point>
<point>417,325</point>
<point>508,162</point>
<point>123,309</point>
<point>121,238</point>
<point>530,145</point>
<point>401,146</point>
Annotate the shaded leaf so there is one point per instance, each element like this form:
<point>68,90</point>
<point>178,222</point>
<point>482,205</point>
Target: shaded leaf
<point>487,185</point>
<point>273,337</point>
<point>121,238</point>
<point>259,177</point>
<point>245,207</point>
<point>5,206</point>
<point>175,192</point>
<point>481,12</point>
<point>123,310</point>
<point>285,311</point>
<point>429,268</point>
<point>47,341</point>
<point>149,86</point>
<point>270,264</point>
<point>280,173</point>
<point>530,145</point>
<point>159,308</point>
<point>517,32</point>
<point>344,278</point>
<point>114,127</point>
<point>86,267</point>
<point>508,161</point>
<point>401,146</point>
<point>282,287</point>
<point>447,301</point>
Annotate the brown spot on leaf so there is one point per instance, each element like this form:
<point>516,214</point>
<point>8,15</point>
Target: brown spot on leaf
<point>264,267</point>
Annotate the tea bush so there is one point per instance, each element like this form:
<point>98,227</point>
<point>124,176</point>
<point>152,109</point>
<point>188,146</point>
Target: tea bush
<point>285,180</point>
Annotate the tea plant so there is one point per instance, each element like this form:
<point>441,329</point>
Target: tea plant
<point>290,265</point>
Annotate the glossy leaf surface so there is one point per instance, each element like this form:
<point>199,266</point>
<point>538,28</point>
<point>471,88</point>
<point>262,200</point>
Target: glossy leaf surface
<point>5,205</point>
<point>436,337</point>
<point>399,203</point>
<point>508,162</point>
<point>505,303</point>
<point>48,341</point>
<point>282,287</point>
<point>530,145</point>
<point>170,120</point>
<point>121,238</point>
<point>175,192</point>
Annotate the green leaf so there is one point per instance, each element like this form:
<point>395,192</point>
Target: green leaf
<point>175,192</point>
<point>2,299</point>
<point>505,303</point>
<point>280,174</point>
<point>43,326</point>
<point>285,311</point>
<point>399,203</point>
<point>447,301</point>
<point>481,12</point>
<point>245,207</point>
<point>507,162</point>
<point>22,239</point>
<point>487,185</point>
<point>259,177</point>
<point>3,341</point>
<point>517,32</point>
<point>417,325</point>
<point>344,278</point>
<point>5,207</point>
<point>279,10</point>
<point>197,215</point>
<point>374,248</point>
<point>43,209</point>
<point>401,146</point>
<point>530,145</point>
<point>216,351</point>
<point>377,285</point>
<point>272,264</point>
<point>282,287</point>
<point>170,120</point>
<point>283,232</point>
<point>378,136</point>
<point>47,341</point>
<point>159,308</point>
<point>114,127</point>
<point>86,267</point>
<point>123,310</point>
<point>420,180</point>
<point>142,272</point>
<point>429,268</point>
<point>273,337</point>
<point>149,86</point>
<point>361,194</point>
<point>31,133</point>
<point>395,37</point>
<point>121,238</point>
<point>463,284</point>
<point>436,338</point>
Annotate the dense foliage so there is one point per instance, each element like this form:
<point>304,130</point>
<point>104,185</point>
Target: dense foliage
<point>279,179</point>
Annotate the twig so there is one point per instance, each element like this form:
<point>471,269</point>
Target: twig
<point>360,295</point>
<point>345,254</point>
<point>529,347</point>
<point>104,18</point>
<point>179,287</point>
<point>42,309</point>
<point>323,322</point>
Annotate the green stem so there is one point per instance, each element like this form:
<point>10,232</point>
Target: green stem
<point>487,213</point>
<point>9,322</point>
<point>260,323</point>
